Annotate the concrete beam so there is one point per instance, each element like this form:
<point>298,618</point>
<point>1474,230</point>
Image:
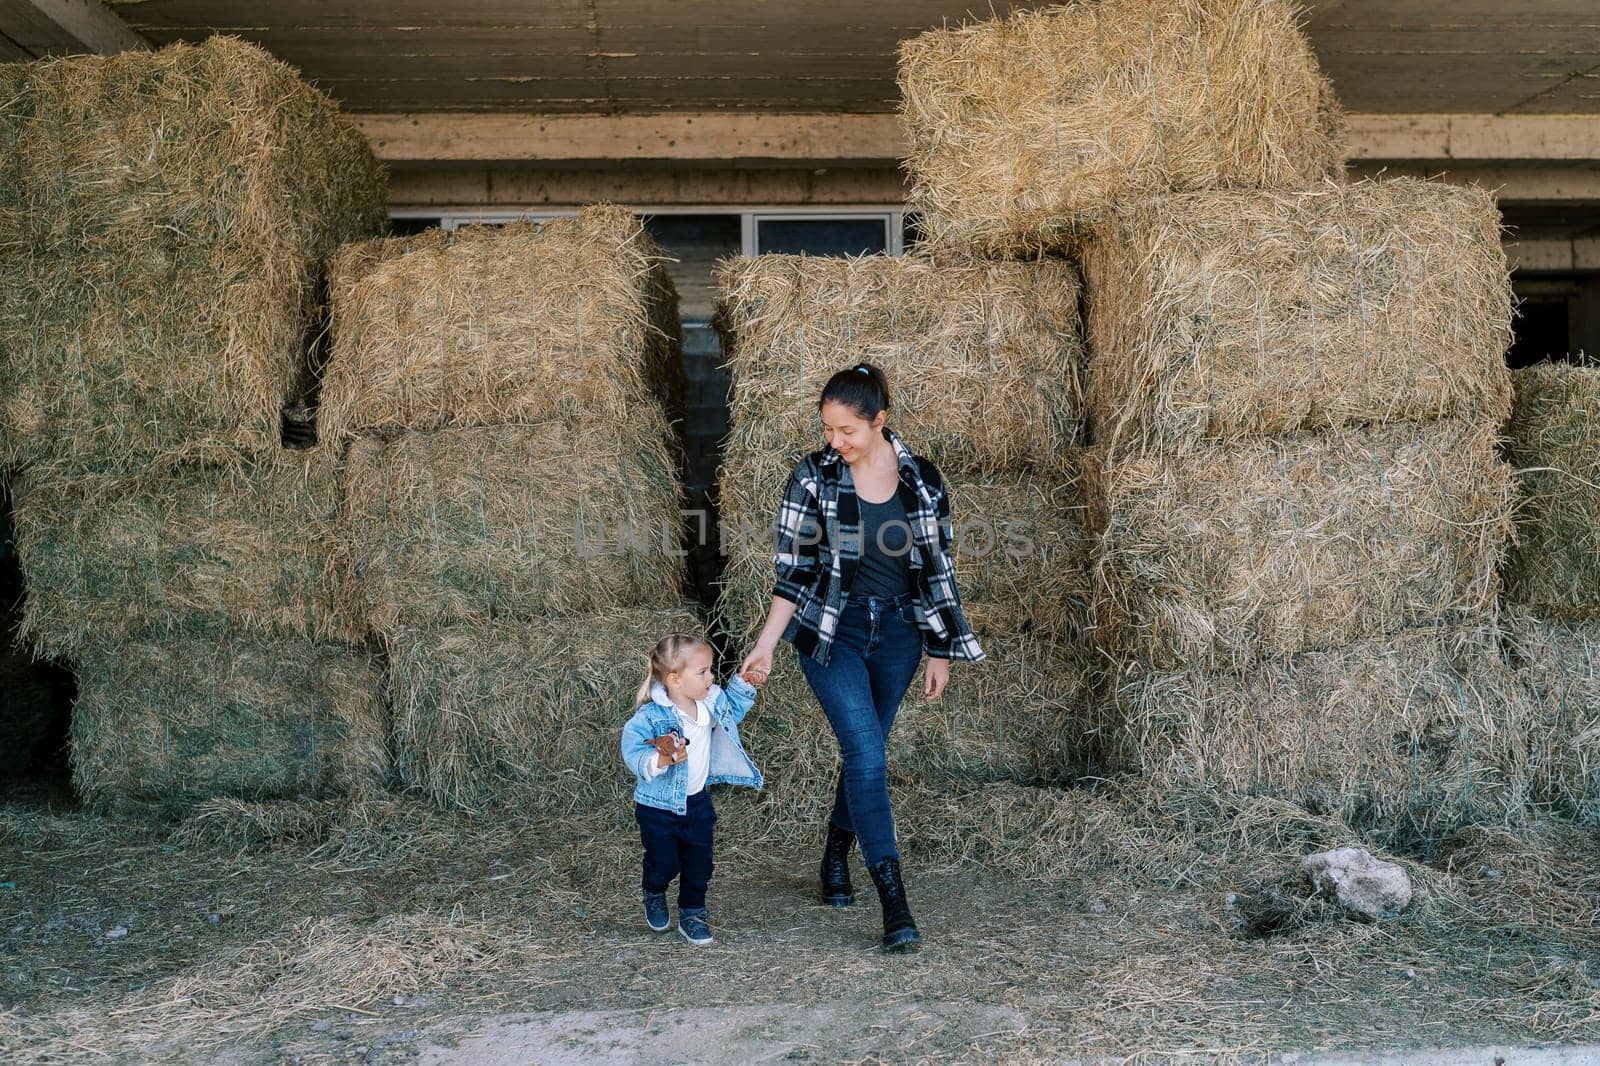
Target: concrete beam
<point>61,27</point>
<point>1554,255</point>
<point>639,187</point>
<point>875,140</point>
<point>1542,256</point>
<point>528,187</point>
<point>1475,138</point>
<point>1550,183</point>
<point>678,138</point>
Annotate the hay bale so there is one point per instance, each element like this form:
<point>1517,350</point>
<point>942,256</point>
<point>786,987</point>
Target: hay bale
<point>161,279</point>
<point>164,721</point>
<point>509,521</point>
<point>15,106</point>
<point>1024,129</point>
<point>1406,736</point>
<point>1554,441</point>
<point>1228,314</point>
<point>1021,553</point>
<point>984,360</point>
<point>1558,665</point>
<point>240,543</point>
<point>1220,556</point>
<point>488,710</point>
<point>492,325</point>
<point>1015,717</point>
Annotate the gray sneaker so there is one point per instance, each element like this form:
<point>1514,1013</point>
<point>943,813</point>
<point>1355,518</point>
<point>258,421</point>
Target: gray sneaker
<point>693,925</point>
<point>656,914</point>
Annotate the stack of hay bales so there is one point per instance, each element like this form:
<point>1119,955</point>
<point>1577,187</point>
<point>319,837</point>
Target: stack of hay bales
<point>1294,387</point>
<point>984,361</point>
<point>1552,578</point>
<point>165,232</point>
<point>1025,130</point>
<point>510,524</point>
<point>173,214</point>
<point>1298,498</point>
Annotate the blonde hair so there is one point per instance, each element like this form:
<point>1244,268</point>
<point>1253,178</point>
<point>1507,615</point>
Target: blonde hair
<point>671,653</point>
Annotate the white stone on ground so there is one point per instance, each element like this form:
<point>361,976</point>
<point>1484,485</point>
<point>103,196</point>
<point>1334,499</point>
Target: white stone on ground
<point>1358,882</point>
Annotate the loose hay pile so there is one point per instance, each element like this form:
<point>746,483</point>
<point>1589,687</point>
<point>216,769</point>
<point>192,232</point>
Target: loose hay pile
<point>1405,736</point>
<point>1088,899</point>
<point>161,267</point>
<point>1048,835</point>
<point>1554,442</point>
<point>1220,556</point>
<point>1558,664</point>
<point>1024,129</point>
<point>1228,314</point>
<point>488,704</point>
<point>164,720</point>
<point>240,543</point>
<point>573,318</point>
<point>984,359</point>
<point>510,522</point>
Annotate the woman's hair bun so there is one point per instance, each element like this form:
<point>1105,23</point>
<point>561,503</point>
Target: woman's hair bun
<point>863,388</point>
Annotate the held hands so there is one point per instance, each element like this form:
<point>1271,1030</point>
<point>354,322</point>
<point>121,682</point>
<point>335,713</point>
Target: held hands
<point>757,666</point>
<point>670,748</point>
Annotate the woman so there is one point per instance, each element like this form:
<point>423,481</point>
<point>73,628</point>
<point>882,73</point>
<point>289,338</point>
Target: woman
<point>865,587</point>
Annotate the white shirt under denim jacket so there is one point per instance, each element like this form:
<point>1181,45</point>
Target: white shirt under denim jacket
<point>667,787</point>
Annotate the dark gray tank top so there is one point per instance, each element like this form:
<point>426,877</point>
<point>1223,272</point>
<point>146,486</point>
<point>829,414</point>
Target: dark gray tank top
<point>885,568</point>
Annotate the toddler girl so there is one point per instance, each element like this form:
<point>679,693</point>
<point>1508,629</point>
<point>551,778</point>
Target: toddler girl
<point>683,737</point>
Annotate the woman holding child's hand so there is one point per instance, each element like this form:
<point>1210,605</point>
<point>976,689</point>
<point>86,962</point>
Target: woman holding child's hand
<point>865,587</point>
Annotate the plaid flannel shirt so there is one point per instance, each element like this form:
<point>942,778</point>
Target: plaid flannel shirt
<point>817,547</point>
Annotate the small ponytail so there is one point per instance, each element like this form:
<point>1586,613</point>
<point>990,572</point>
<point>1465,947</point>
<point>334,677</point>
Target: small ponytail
<point>670,653</point>
<point>863,388</point>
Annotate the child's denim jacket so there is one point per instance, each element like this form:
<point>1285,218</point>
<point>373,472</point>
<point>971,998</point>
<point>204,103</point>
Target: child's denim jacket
<point>729,763</point>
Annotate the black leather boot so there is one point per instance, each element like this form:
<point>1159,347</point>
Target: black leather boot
<point>835,871</point>
<point>899,931</point>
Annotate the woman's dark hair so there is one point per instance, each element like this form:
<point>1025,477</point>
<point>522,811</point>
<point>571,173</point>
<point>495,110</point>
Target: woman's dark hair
<point>862,388</point>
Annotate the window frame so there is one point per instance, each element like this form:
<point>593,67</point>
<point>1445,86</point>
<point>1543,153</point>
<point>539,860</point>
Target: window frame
<point>892,216</point>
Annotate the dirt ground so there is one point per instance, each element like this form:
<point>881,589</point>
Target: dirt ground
<point>386,931</point>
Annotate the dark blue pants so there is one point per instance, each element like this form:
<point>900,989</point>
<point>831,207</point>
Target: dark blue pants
<point>678,845</point>
<point>876,650</point>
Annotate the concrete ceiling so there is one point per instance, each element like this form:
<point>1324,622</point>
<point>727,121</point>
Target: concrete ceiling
<point>1385,56</point>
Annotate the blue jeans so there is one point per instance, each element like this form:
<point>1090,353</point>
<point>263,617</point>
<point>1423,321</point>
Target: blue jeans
<point>875,654</point>
<point>678,846</point>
